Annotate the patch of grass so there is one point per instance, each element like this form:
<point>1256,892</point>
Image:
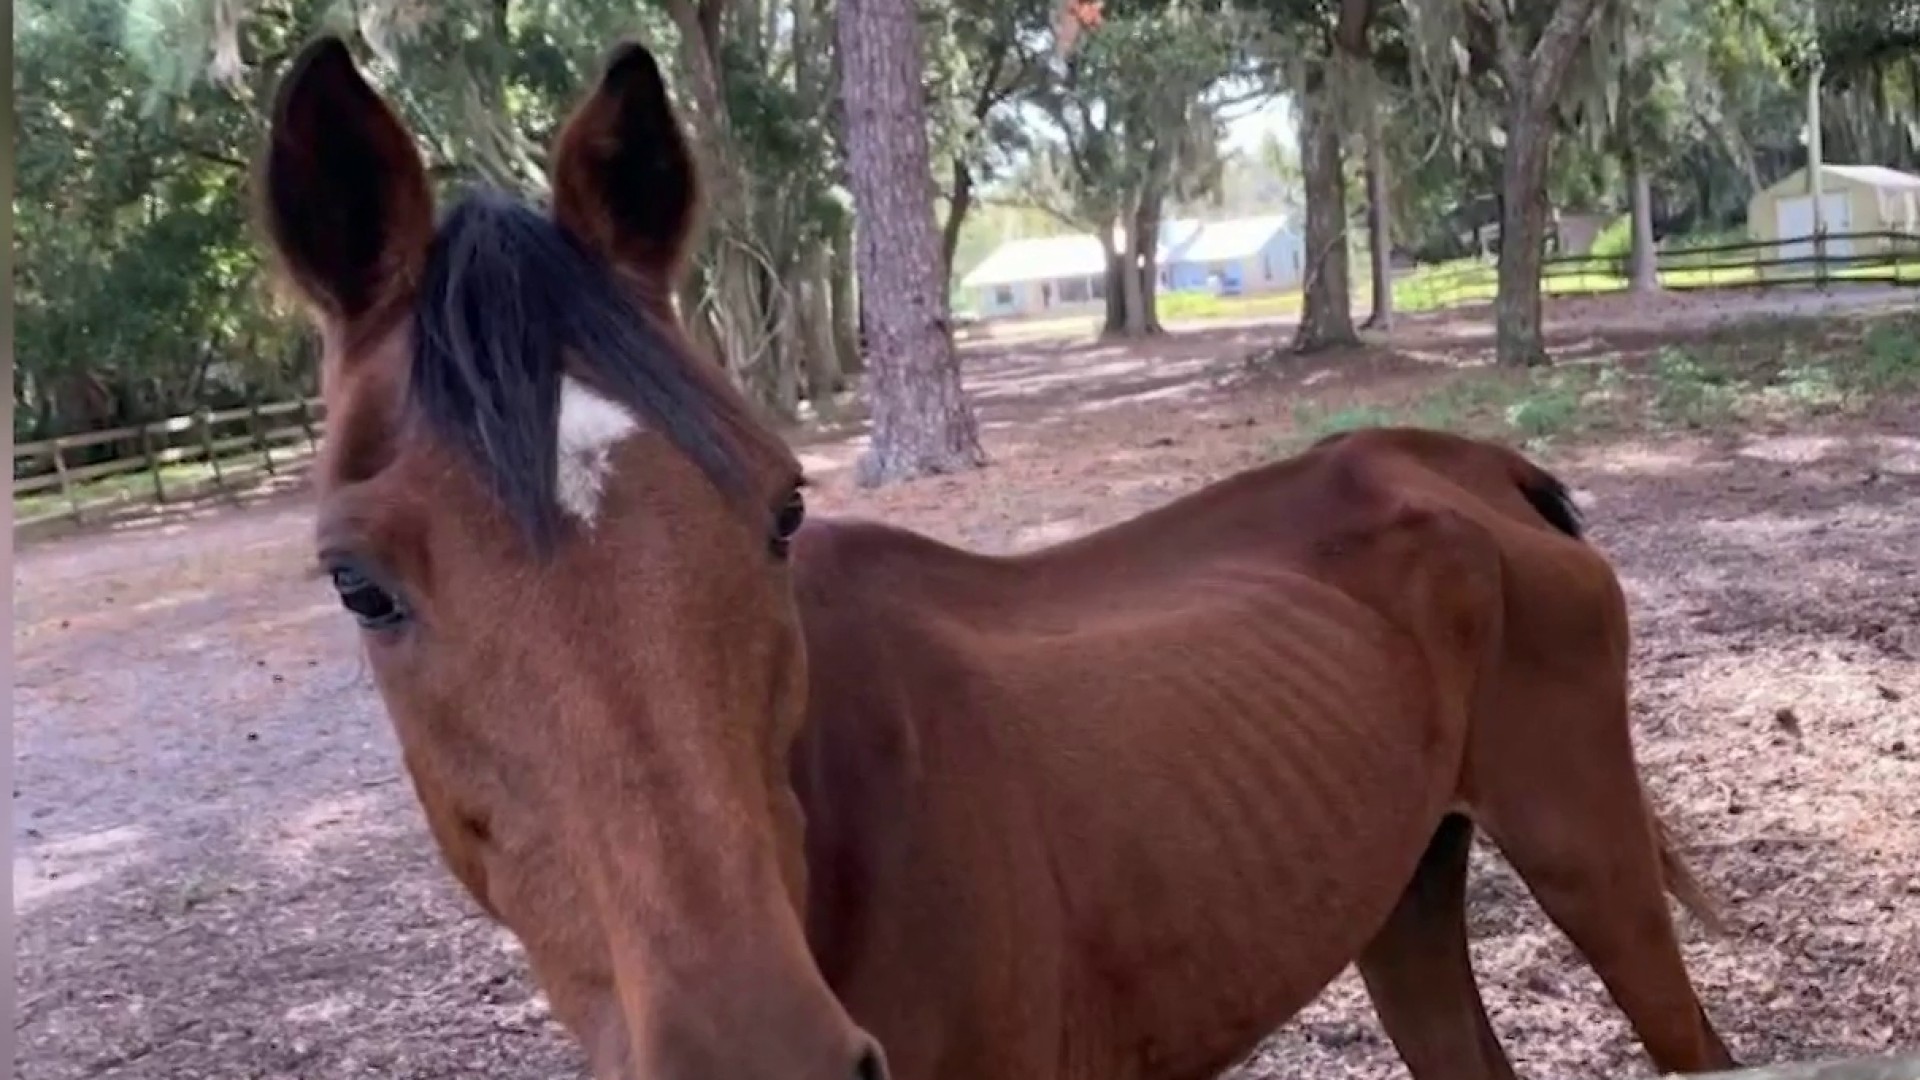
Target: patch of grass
<point>1776,371</point>
<point>1548,409</point>
<point>1198,306</point>
<point>1691,390</point>
<point>1807,386</point>
<point>1532,407</point>
<point>1315,422</point>
<point>1892,351</point>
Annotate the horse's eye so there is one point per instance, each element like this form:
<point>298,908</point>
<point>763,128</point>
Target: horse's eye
<point>787,521</point>
<point>373,607</point>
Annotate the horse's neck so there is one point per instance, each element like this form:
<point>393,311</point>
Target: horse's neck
<point>876,740</point>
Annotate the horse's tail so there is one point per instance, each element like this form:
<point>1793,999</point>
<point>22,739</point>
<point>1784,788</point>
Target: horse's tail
<point>1552,500</point>
<point>1680,882</point>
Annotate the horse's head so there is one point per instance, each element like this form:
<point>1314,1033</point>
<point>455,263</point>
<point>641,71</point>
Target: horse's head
<point>563,535</point>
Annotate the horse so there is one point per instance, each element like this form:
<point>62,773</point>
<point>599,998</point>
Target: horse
<point>831,800</point>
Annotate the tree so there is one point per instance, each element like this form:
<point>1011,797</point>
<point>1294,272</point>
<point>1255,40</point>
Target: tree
<point>1325,43</point>
<point>1326,313</point>
<point>485,84</point>
<point>1532,48</point>
<point>922,423</point>
<point>1379,216</point>
<point>1534,63</point>
<point>983,56</point>
<point>1649,118</point>
<point>1118,146</point>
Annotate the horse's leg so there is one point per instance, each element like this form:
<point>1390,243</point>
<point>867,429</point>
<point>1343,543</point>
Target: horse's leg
<point>1557,789</point>
<point>1419,975</point>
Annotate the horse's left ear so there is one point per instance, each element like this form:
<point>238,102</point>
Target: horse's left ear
<point>624,180</point>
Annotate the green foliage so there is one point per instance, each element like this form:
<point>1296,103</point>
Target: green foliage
<point>140,287</point>
<point>1113,136</point>
<point>1614,243</point>
<point>142,290</point>
<point>1778,373</point>
<point>1316,421</point>
<point>1691,391</point>
<point>1550,408</point>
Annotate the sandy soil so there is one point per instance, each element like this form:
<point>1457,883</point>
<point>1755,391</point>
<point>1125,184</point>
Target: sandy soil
<point>220,873</point>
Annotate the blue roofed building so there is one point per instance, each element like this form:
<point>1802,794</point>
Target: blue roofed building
<point>1066,275</point>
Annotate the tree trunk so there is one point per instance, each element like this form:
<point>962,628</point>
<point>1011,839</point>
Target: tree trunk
<point>922,424</point>
<point>1703,196</point>
<point>1326,318</point>
<point>1379,215</point>
<point>1534,80</point>
<point>741,318</point>
<point>816,331</point>
<point>956,217</point>
<point>1115,323</point>
<point>1147,225</point>
<point>1519,338</point>
<point>846,306</point>
<point>1645,275</point>
<point>1132,289</point>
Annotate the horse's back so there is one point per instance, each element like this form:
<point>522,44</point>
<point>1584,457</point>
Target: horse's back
<point>1202,751</point>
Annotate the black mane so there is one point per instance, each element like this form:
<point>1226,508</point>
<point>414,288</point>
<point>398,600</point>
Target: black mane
<point>508,300</point>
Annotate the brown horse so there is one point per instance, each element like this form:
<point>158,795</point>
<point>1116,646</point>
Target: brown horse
<point>760,799</point>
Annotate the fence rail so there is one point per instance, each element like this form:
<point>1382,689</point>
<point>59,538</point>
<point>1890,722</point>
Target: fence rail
<point>207,449</point>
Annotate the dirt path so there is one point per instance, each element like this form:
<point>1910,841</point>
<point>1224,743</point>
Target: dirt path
<point>219,872</point>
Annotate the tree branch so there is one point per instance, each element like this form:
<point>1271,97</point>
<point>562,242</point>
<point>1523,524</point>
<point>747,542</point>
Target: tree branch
<point>1506,50</point>
<point>1553,52</point>
<point>214,156</point>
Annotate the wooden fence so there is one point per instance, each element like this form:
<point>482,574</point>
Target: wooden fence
<point>201,451</point>
<point>1852,258</point>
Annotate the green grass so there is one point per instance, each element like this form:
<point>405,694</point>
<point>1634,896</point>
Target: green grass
<point>1778,371</point>
<point>1892,355</point>
<point>1194,306</point>
<point>1533,407</point>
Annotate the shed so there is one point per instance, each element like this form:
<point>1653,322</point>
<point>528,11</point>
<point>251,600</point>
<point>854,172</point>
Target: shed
<point>1860,204</point>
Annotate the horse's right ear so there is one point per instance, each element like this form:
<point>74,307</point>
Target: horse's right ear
<point>346,199</point>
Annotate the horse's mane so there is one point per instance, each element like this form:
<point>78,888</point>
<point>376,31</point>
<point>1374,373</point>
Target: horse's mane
<point>509,302</point>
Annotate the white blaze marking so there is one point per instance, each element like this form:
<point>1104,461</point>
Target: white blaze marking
<point>590,427</point>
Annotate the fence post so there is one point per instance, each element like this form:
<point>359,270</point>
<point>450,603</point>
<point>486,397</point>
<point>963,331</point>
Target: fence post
<point>66,485</point>
<point>306,424</point>
<point>153,463</point>
<point>258,427</point>
<point>206,440</point>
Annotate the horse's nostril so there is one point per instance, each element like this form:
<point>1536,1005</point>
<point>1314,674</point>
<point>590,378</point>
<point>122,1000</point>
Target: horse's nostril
<point>872,1063</point>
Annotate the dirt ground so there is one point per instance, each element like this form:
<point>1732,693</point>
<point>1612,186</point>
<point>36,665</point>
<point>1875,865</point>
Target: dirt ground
<point>219,871</point>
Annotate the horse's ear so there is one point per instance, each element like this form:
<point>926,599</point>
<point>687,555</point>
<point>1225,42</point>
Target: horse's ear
<point>624,180</point>
<point>346,199</point>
